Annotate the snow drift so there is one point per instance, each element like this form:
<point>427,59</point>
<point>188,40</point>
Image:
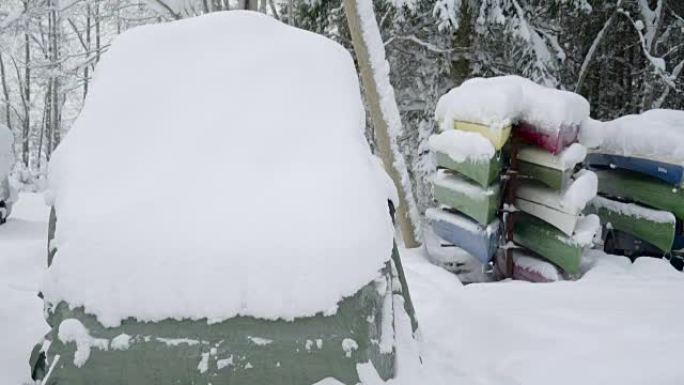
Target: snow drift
<point>201,181</point>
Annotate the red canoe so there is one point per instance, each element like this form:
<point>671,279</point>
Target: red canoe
<point>551,142</point>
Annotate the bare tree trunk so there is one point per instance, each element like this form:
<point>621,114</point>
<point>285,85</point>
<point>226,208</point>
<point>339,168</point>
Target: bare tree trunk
<point>290,12</point>
<point>251,5</point>
<point>5,94</point>
<point>380,120</point>
<point>26,129</point>
<point>86,69</point>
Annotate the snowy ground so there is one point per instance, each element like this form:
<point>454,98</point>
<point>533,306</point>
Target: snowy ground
<point>621,323</point>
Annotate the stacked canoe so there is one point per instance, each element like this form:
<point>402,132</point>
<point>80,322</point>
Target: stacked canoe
<point>522,198</point>
<point>641,203</point>
<point>467,188</point>
<point>549,196</point>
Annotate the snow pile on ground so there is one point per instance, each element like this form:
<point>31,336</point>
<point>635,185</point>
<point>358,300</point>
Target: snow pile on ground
<point>6,153</point>
<point>23,257</point>
<point>501,101</point>
<point>188,186</point>
<point>462,145</point>
<point>617,324</point>
<point>656,133</point>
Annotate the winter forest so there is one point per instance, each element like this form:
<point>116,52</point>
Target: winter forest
<point>624,56</point>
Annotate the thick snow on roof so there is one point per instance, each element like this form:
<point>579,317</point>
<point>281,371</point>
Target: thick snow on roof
<point>655,133</point>
<point>6,154</point>
<point>202,180</point>
<point>500,101</point>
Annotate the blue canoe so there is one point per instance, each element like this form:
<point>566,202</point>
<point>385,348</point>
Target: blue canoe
<point>668,172</point>
<point>479,241</point>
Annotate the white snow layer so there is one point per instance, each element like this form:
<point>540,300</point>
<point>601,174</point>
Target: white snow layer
<point>462,145</point>
<point>6,153</point>
<point>501,101</point>
<point>189,184</point>
<point>655,133</point>
<point>72,330</point>
<point>581,191</point>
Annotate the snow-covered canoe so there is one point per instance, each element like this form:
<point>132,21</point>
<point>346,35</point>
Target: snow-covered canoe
<point>498,137</point>
<point>479,241</point>
<point>553,142</point>
<point>547,241</point>
<point>454,191</point>
<point>547,205</point>
<point>527,267</point>
<point>552,170</point>
<point>671,173</point>
<point>244,350</point>
<point>483,172</point>
<point>653,226</point>
<point>643,189</point>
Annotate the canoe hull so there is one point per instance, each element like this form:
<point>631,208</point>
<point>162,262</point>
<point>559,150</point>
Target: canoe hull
<point>659,234</point>
<point>497,137</point>
<point>547,241</point>
<point>560,220</point>
<point>672,174</point>
<point>480,208</point>
<point>645,190</point>
<point>551,177</point>
<point>551,142</point>
<point>482,245</point>
<point>483,173</point>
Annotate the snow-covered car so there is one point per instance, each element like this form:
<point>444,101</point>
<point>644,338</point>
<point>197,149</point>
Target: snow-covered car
<point>219,219</point>
<point>6,161</point>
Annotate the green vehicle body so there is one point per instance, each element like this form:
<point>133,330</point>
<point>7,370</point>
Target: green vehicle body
<point>237,351</point>
<point>483,173</point>
<point>551,177</point>
<point>659,234</point>
<point>547,241</point>
<point>642,189</point>
<point>482,208</point>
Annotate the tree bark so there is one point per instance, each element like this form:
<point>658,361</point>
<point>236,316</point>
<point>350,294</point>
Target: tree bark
<point>380,121</point>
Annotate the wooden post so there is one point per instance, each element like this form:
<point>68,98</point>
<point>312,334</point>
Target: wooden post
<point>380,121</point>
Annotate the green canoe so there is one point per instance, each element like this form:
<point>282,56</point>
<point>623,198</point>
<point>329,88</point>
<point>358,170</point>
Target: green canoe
<point>237,351</point>
<point>551,177</point>
<point>653,226</point>
<point>480,204</point>
<point>547,241</point>
<point>482,172</point>
<point>642,189</point>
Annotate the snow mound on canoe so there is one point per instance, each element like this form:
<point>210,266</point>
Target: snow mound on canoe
<point>498,102</point>
<point>655,134</point>
<point>200,181</point>
<point>462,146</point>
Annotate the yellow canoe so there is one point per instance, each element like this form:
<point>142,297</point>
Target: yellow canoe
<point>498,137</point>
